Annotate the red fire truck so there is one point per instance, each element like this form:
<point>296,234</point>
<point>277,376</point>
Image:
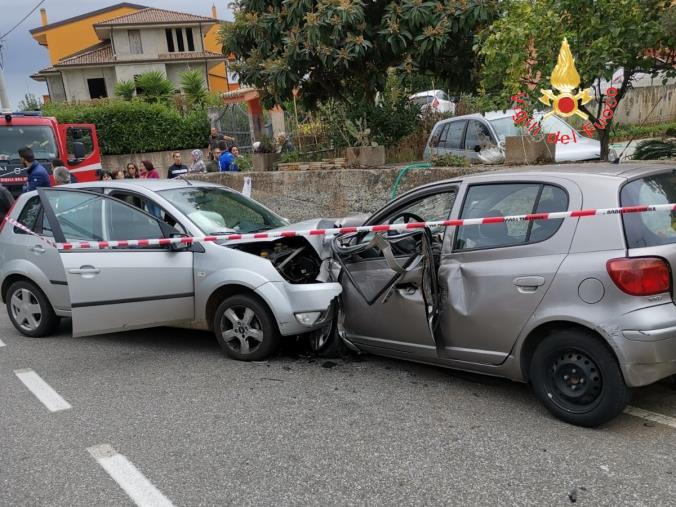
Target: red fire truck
<point>75,144</point>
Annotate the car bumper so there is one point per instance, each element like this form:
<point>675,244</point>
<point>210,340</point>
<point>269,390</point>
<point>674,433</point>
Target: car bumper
<point>647,345</point>
<point>287,300</point>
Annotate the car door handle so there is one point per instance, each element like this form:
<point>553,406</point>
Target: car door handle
<point>529,282</point>
<point>84,270</point>
<point>38,249</point>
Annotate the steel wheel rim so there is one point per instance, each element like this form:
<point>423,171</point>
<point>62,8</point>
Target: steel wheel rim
<point>26,310</point>
<point>241,329</point>
<point>574,381</point>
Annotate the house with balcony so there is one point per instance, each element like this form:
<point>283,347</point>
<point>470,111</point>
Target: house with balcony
<point>124,41</point>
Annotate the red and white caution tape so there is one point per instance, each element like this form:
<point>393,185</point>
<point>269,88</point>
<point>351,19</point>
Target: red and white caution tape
<point>96,245</point>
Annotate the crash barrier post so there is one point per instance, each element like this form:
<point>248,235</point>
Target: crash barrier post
<point>461,222</point>
<point>404,170</point>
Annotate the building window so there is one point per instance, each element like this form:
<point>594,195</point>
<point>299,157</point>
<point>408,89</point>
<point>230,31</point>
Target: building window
<point>135,46</point>
<point>180,40</point>
<point>170,40</point>
<point>97,88</point>
<point>189,39</point>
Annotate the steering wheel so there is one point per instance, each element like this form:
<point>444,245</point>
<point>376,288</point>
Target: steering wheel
<point>407,216</point>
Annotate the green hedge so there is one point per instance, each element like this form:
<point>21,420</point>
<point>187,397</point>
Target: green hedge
<point>135,127</point>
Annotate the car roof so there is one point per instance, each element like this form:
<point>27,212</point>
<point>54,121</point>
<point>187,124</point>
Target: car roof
<point>575,172</point>
<point>425,93</point>
<point>154,185</point>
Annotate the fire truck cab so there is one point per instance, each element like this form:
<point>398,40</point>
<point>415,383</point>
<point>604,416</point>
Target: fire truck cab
<point>76,145</point>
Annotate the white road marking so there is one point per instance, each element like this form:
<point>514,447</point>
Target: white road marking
<point>42,390</point>
<point>651,416</point>
<point>2,344</point>
<point>127,476</point>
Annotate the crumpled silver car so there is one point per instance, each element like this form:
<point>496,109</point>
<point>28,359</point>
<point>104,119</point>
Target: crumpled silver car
<point>248,294</point>
<point>583,309</point>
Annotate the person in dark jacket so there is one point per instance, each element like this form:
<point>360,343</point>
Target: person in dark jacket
<point>37,174</point>
<point>6,202</point>
<point>177,168</point>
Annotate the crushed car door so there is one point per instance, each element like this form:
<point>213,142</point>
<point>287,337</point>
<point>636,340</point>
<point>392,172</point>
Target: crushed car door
<point>390,298</point>
<point>122,288</point>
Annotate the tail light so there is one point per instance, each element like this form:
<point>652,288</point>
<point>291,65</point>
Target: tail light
<point>9,212</point>
<point>640,276</point>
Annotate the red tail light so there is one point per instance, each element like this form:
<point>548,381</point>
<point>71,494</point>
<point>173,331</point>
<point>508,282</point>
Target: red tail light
<point>9,211</point>
<point>640,276</point>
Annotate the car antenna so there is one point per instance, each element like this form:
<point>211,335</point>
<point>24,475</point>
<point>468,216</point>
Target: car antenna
<point>185,179</point>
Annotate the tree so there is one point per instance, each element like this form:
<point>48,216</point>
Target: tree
<point>154,86</point>
<point>192,84</point>
<point>520,49</point>
<point>29,103</point>
<point>125,89</point>
<point>343,48</point>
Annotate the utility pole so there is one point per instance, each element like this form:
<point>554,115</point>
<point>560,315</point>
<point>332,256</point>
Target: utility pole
<point>4,98</point>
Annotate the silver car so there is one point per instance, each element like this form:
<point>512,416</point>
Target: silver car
<point>583,309</point>
<point>249,294</point>
<point>481,138</point>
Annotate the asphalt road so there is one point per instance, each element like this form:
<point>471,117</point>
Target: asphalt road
<point>207,430</point>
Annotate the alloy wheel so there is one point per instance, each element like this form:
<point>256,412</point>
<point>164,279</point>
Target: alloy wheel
<point>26,310</point>
<point>241,329</point>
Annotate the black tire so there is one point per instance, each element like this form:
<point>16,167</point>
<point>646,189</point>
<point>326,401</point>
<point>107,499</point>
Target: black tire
<point>578,378</point>
<point>23,295</point>
<point>326,343</point>
<point>242,335</point>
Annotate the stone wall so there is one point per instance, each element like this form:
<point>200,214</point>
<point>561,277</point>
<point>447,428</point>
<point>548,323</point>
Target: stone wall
<point>299,195</point>
<point>160,159</point>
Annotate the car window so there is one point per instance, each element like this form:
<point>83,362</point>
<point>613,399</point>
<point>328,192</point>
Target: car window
<point>149,207</point>
<point>478,135</point>
<point>649,229</point>
<point>86,217</point>
<point>29,216</point>
<point>438,135</point>
<point>442,96</point>
<point>499,200</point>
<point>505,127</point>
<point>452,139</point>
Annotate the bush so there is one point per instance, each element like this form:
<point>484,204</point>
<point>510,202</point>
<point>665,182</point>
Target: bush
<point>136,126</point>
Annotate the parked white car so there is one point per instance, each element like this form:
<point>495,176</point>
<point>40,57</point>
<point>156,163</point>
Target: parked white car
<point>436,101</point>
<point>474,135</point>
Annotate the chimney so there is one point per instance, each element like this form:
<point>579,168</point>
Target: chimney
<point>213,11</point>
<point>43,16</point>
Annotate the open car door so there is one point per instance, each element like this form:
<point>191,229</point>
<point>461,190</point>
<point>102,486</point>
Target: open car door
<point>390,297</point>
<point>122,288</point>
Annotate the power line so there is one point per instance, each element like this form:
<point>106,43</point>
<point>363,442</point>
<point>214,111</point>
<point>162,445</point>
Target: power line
<point>22,20</point>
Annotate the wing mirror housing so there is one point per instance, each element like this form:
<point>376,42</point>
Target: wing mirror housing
<point>78,150</point>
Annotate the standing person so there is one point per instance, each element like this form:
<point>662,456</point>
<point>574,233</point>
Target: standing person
<point>6,202</point>
<point>118,174</point>
<point>106,176</point>
<point>148,171</point>
<point>228,160</point>
<point>198,165</point>
<point>56,163</point>
<point>212,166</point>
<point>177,168</point>
<point>37,174</point>
<point>214,140</point>
<point>61,176</point>
<point>132,171</point>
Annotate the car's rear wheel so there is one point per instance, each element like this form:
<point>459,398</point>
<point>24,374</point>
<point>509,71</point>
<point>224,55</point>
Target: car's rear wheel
<point>29,310</point>
<point>245,329</point>
<point>578,378</point>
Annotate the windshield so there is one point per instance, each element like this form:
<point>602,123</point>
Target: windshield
<point>216,210</point>
<point>39,139</point>
<point>505,127</point>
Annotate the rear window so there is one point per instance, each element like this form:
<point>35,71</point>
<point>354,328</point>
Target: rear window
<point>654,228</point>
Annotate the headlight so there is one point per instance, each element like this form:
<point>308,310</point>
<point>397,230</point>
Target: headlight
<point>308,318</point>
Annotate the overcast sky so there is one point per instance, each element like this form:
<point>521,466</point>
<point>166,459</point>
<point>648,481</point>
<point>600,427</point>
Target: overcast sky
<point>23,56</point>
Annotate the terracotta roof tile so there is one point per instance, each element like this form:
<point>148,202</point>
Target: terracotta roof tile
<point>152,15</point>
<point>100,53</point>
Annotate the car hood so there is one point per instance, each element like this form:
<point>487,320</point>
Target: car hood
<point>583,149</point>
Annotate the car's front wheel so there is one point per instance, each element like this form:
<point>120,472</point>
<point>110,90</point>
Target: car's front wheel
<point>578,378</point>
<point>30,310</point>
<point>245,329</point>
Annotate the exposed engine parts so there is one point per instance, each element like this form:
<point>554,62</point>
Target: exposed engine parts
<point>294,258</point>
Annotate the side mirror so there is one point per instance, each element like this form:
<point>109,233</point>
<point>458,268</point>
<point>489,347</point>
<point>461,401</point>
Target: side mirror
<point>78,150</point>
<point>179,247</point>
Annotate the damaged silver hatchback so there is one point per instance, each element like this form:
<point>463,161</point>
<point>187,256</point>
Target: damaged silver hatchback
<point>582,309</point>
